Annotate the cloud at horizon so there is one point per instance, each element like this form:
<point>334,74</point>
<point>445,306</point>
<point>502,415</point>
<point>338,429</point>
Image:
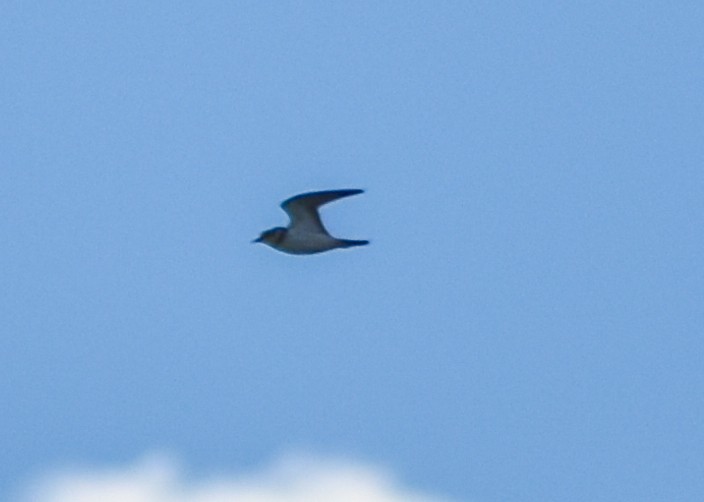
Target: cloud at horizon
<point>162,478</point>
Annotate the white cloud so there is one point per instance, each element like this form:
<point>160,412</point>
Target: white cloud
<point>290,479</point>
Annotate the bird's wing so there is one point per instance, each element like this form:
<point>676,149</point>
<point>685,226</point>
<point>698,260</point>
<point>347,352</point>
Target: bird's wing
<point>303,208</point>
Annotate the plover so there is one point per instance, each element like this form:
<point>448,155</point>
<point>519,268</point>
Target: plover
<point>305,233</point>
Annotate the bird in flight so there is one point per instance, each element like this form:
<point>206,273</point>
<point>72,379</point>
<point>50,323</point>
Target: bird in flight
<point>305,233</point>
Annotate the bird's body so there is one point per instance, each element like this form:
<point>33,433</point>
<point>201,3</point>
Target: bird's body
<point>305,233</point>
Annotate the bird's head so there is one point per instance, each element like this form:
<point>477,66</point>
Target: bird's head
<point>272,237</point>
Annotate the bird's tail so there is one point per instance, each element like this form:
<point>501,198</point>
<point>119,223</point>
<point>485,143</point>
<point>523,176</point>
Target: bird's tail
<point>348,243</point>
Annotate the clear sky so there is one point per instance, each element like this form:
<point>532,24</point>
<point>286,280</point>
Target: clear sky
<point>527,324</point>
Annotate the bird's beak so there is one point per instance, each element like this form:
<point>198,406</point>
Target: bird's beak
<point>258,239</point>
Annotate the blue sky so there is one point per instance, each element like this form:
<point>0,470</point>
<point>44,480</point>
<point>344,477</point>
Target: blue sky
<point>526,325</point>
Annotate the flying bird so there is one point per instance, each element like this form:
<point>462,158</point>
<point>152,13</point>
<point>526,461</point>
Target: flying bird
<point>305,233</point>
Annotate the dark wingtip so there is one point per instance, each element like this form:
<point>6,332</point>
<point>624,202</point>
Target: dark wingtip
<point>347,192</point>
<point>344,192</point>
<point>348,243</point>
